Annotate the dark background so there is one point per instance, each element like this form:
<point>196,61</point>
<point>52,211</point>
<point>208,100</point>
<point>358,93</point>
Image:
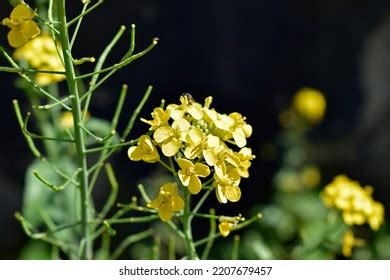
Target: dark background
<point>251,56</point>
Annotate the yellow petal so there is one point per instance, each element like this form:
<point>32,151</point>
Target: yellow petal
<point>29,29</point>
<point>165,212</point>
<point>210,156</point>
<point>220,195</point>
<point>195,136</point>
<point>156,202</point>
<point>195,112</point>
<point>134,153</point>
<point>184,178</point>
<point>22,12</point>
<point>195,185</point>
<point>181,124</point>
<point>170,148</point>
<point>168,189</point>
<point>184,164</point>
<point>162,133</point>
<point>202,170</point>
<point>239,137</point>
<point>177,203</point>
<point>247,128</point>
<point>233,193</point>
<point>224,228</point>
<point>15,38</point>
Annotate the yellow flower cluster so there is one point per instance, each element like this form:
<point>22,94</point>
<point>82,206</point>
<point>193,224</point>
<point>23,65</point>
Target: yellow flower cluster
<point>42,54</point>
<point>310,104</point>
<point>355,202</point>
<point>201,141</point>
<point>22,26</point>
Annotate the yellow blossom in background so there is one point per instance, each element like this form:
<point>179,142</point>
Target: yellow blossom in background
<point>310,176</point>
<point>310,104</point>
<point>190,173</point>
<point>355,202</point>
<point>42,54</point>
<point>167,202</point>
<point>145,150</point>
<point>22,26</point>
<point>66,120</point>
<point>349,241</point>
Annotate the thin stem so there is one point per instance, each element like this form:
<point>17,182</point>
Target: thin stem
<point>114,191</point>
<point>236,247</point>
<point>99,149</point>
<point>32,71</point>
<point>85,13</point>
<point>200,203</point>
<point>87,250</point>
<point>210,242</point>
<point>76,30</point>
<point>186,220</point>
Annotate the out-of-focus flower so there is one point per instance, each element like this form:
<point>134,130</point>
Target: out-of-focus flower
<point>145,150</point>
<point>22,26</point>
<point>42,53</point>
<point>355,202</point>
<point>190,173</point>
<point>167,202</point>
<point>310,104</point>
<point>66,119</point>
<point>349,241</point>
<point>310,176</point>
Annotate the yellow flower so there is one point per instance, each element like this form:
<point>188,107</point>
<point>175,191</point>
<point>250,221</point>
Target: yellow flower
<point>199,144</point>
<point>190,173</point>
<point>171,137</point>
<point>310,176</point>
<point>167,202</point>
<point>245,156</point>
<point>226,224</point>
<point>42,53</point>
<point>160,118</point>
<point>349,241</point>
<point>310,104</point>
<point>145,150</point>
<point>23,28</point>
<point>66,120</point>
<point>226,185</point>
<point>187,106</point>
<point>236,128</point>
<point>355,202</point>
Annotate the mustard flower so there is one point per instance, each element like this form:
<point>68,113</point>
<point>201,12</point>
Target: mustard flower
<point>244,157</point>
<point>355,202</point>
<point>199,144</point>
<point>226,224</point>
<point>145,150</point>
<point>187,106</point>
<point>171,137</point>
<point>190,173</point>
<point>310,104</point>
<point>160,118</point>
<point>167,202</point>
<point>349,241</point>
<point>22,26</point>
<point>234,126</point>
<point>42,53</point>
<point>227,188</point>
<point>310,176</point>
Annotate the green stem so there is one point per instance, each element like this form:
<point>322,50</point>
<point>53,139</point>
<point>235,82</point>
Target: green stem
<point>87,250</point>
<point>186,220</point>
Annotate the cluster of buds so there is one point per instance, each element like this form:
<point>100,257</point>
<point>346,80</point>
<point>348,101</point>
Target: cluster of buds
<point>355,202</point>
<point>201,141</point>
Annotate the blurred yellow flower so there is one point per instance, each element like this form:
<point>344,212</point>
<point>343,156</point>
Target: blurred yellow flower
<point>145,150</point>
<point>42,53</point>
<point>190,173</point>
<point>349,241</point>
<point>355,202</point>
<point>167,202</point>
<point>66,119</point>
<point>22,26</point>
<point>310,176</point>
<point>310,104</point>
